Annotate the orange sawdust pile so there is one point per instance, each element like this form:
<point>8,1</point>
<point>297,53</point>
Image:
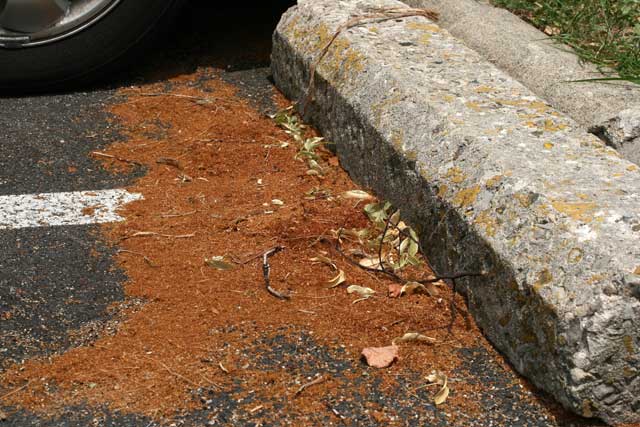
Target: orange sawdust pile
<point>214,166</point>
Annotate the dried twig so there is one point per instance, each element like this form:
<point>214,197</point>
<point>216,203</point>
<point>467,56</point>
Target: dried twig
<point>22,387</point>
<point>384,235</point>
<point>178,215</point>
<point>374,16</point>
<point>154,234</point>
<point>146,259</point>
<point>303,387</point>
<point>196,99</point>
<point>179,375</point>
<point>266,270</point>
<point>111,156</point>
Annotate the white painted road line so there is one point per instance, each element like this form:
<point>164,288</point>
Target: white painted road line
<point>52,209</point>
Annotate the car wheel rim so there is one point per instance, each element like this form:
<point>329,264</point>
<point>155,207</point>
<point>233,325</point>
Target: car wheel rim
<point>25,23</point>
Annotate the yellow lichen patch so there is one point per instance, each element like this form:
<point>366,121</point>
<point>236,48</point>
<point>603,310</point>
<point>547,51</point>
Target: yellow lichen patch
<point>466,197</point>
<point>455,175</point>
<point>632,168</point>
<point>524,199</point>
<point>494,181</point>
<point>375,30</point>
<point>595,279</point>
<point>473,105</point>
<point>580,211</point>
<point>380,108</point>
<point>397,139</point>
<point>530,124</point>
<point>442,190</point>
<point>538,106</point>
<point>495,131</point>
<point>425,39</point>
<point>449,98</point>
<point>551,126</point>
<point>486,219</point>
<point>341,58</point>
<point>583,196</point>
<point>485,89</point>
<point>628,372</point>
<point>544,278</point>
<point>548,145</point>
<point>315,39</point>
<point>423,26</point>
<point>575,255</point>
<point>628,344</point>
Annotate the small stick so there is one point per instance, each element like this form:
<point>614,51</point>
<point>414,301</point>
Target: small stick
<point>177,95</point>
<point>384,235</point>
<point>111,156</point>
<point>303,387</point>
<point>178,215</point>
<point>15,391</point>
<point>266,270</point>
<point>176,374</point>
<point>147,260</point>
<point>170,236</point>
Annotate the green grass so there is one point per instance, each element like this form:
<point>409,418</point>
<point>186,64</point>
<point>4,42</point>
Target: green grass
<point>604,32</point>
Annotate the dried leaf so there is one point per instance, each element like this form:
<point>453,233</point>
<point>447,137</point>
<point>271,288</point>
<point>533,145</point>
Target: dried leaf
<point>395,218</point>
<point>360,235</point>
<point>324,260</point>
<point>361,290</point>
<point>441,396</point>
<point>395,290</point>
<point>338,280</point>
<point>413,288</point>
<point>218,263</point>
<point>357,194</point>
<point>371,262</point>
<point>377,212</point>
<point>380,357</point>
<point>438,377</point>
<point>432,377</point>
<point>413,336</point>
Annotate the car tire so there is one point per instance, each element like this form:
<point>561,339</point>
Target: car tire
<point>96,52</point>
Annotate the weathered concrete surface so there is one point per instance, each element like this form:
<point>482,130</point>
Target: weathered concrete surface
<point>496,180</point>
<point>543,66</point>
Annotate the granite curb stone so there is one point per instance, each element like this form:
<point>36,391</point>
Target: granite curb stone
<point>495,180</point>
<point>545,67</point>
